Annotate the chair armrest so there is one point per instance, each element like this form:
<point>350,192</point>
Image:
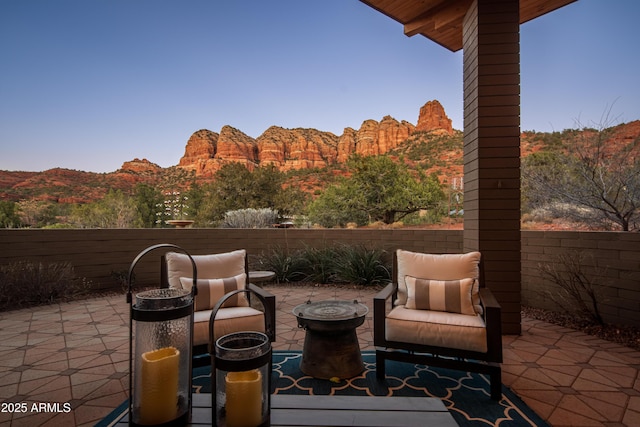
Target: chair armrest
<point>270,300</point>
<point>380,313</point>
<point>488,299</point>
<point>493,322</point>
<point>386,292</point>
<point>491,306</point>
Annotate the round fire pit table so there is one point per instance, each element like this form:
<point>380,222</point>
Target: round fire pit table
<point>331,347</point>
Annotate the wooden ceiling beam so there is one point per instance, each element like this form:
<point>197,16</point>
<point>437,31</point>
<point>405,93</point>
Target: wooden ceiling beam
<point>438,17</point>
<point>419,25</point>
<point>455,12</point>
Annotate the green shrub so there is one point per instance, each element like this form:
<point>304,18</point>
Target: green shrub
<point>24,284</point>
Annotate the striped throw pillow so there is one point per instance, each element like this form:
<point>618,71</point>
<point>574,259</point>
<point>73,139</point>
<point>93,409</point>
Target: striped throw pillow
<point>453,296</point>
<point>211,290</point>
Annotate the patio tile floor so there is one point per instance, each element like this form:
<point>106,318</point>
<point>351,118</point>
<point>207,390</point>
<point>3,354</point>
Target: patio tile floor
<point>78,352</point>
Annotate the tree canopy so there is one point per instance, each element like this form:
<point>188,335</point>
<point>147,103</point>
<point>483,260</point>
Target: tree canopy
<point>115,210</point>
<point>235,187</point>
<point>8,215</point>
<point>375,189</point>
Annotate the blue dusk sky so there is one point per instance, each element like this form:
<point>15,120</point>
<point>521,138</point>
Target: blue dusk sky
<point>89,85</point>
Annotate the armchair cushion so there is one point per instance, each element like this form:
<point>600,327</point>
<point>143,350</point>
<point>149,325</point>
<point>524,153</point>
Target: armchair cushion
<point>453,296</point>
<point>437,329</point>
<point>436,267</point>
<point>228,320</point>
<point>211,290</point>
<point>226,264</point>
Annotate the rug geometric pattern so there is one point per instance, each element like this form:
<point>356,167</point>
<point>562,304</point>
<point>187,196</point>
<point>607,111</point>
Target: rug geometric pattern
<point>466,395</point>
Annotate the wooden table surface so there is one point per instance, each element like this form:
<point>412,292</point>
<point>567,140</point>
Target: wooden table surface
<point>289,410</point>
<point>336,411</point>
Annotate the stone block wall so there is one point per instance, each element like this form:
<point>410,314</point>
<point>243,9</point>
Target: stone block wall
<point>612,261</point>
<point>96,254</point>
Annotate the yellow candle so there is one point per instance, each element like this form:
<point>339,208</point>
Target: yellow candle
<point>244,398</point>
<point>159,394</point>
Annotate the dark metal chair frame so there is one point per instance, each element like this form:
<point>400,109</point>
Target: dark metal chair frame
<point>451,358</point>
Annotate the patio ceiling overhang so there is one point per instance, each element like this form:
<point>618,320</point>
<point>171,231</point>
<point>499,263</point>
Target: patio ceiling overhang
<point>441,20</point>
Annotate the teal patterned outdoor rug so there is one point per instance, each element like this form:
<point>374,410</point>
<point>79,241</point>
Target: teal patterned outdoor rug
<point>466,395</point>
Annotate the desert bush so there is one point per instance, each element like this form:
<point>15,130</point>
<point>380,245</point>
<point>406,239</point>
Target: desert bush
<point>575,291</point>
<point>9,217</point>
<point>250,218</point>
<point>121,277</point>
<point>24,284</point>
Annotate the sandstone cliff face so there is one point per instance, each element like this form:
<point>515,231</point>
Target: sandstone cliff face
<point>206,151</point>
<point>236,146</point>
<point>200,146</point>
<point>347,144</point>
<point>297,148</point>
<point>375,138</point>
<point>300,148</point>
<point>432,118</point>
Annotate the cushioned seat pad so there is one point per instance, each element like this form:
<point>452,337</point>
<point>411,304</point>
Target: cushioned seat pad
<point>228,320</point>
<point>436,328</point>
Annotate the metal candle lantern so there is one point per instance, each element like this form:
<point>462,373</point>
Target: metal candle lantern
<point>160,369</point>
<point>240,374</point>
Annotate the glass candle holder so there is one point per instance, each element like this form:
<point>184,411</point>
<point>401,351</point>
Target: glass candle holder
<point>241,367</point>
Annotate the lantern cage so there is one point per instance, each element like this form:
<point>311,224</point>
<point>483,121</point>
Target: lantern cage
<point>241,369</point>
<point>160,346</point>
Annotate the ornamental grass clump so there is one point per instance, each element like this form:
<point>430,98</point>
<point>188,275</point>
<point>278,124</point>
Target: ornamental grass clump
<point>319,264</point>
<point>361,266</point>
<point>287,267</point>
<point>356,265</point>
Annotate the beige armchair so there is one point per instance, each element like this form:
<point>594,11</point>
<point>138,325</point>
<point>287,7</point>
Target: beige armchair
<point>437,312</point>
<point>219,274</point>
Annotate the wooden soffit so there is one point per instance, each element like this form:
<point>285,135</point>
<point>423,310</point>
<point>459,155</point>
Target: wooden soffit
<point>441,20</point>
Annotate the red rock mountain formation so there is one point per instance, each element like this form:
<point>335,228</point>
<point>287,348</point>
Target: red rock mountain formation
<point>433,118</point>
<point>296,148</point>
<point>207,151</point>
